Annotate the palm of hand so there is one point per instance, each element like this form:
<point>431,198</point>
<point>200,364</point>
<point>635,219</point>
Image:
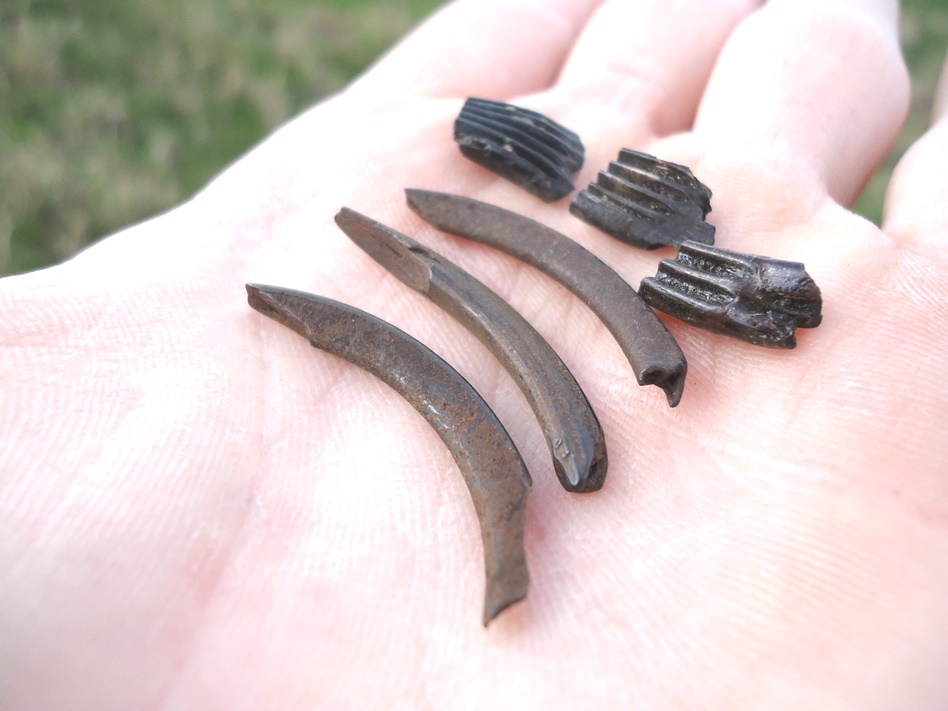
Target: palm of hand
<point>201,510</point>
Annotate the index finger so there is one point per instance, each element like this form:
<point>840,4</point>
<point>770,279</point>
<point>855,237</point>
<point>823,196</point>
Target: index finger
<point>915,206</point>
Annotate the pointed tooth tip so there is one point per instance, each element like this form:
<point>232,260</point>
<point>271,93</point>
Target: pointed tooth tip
<point>260,291</point>
<point>500,597</point>
<point>670,379</point>
<point>415,197</point>
<point>348,216</point>
<point>597,471</point>
<point>583,477</point>
<point>429,205</point>
<point>267,299</point>
<point>407,260</point>
<point>362,230</point>
<point>280,304</point>
<point>674,388</point>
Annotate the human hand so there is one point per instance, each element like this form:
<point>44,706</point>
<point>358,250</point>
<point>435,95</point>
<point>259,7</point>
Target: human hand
<point>199,510</point>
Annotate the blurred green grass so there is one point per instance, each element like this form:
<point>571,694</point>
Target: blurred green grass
<point>114,110</point>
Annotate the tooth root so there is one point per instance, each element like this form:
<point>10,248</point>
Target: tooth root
<point>525,147</point>
<point>756,299</point>
<point>647,203</point>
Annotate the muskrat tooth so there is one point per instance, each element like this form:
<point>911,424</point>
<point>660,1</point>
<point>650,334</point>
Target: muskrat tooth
<point>572,431</point>
<point>653,353</point>
<point>756,299</point>
<point>671,176</point>
<point>492,467</point>
<point>523,146</point>
<point>647,202</point>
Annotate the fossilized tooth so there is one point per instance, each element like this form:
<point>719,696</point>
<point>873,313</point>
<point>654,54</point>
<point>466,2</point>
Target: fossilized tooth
<point>672,180</point>
<point>488,459</point>
<point>647,202</point>
<point>569,424</point>
<point>651,350</point>
<point>757,299</point>
<point>523,146</point>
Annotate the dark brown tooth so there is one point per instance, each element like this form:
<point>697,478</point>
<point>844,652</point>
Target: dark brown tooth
<point>671,176</point>
<point>653,353</point>
<point>647,202</point>
<point>572,432</point>
<point>523,146</point>
<point>488,459</point>
<point>756,299</point>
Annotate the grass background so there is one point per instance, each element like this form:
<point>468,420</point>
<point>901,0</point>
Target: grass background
<point>114,110</point>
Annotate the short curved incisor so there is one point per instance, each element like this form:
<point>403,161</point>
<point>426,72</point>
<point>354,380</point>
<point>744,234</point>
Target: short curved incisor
<point>488,459</point>
<point>651,350</point>
<point>570,426</point>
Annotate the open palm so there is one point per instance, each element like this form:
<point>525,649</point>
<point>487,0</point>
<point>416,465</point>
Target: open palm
<point>201,511</point>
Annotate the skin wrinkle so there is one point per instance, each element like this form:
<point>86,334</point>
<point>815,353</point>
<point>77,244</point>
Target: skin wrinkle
<point>187,655</point>
<point>97,514</point>
<point>93,324</point>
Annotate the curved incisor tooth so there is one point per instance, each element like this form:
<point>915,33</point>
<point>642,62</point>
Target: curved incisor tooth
<point>523,146</point>
<point>756,299</point>
<point>572,432</point>
<point>651,350</point>
<point>488,459</point>
<point>647,202</point>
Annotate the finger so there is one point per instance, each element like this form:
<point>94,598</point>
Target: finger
<point>639,68</point>
<point>814,89</point>
<point>940,105</point>
<point>916,207</point>
<point>490,48</point>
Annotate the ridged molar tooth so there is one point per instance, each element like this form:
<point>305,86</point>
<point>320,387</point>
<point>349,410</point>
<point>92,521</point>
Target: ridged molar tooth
<point>525,147</point>
<point>716,261</point>
<point>669,173</point>
<point>647,202</point>
<point>641,208</point>
<point>683,278</point>
<point>635,194</point>
<point>543,129</point>
<point>679,200</point>
<point>756,299</point>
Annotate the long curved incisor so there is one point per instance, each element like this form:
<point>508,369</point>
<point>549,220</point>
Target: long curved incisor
<point>569,424</point>
<point>652,351</point>
<point>492,467</point>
